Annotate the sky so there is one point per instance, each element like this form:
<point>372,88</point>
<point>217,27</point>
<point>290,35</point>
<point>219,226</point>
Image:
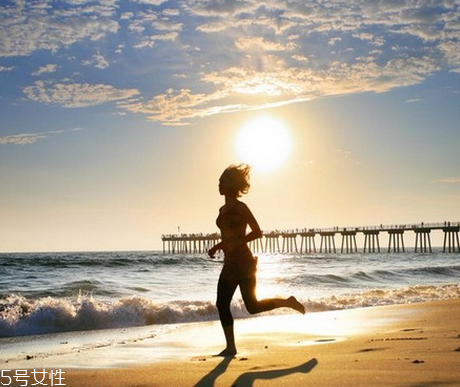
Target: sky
<point>118,117</point>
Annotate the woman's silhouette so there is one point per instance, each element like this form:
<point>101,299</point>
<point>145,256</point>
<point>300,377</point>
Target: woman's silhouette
<point>239,264</point>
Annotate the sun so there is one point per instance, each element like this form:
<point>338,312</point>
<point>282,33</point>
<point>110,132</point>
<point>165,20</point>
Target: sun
<point>264,143</point>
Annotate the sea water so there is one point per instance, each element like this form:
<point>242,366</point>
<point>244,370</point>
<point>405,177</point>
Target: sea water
<point>43,293</point>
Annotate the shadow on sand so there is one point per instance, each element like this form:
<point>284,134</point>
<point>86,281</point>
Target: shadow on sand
<point>247,379</point>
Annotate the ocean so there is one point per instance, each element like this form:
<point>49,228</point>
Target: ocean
<point>46,293</point>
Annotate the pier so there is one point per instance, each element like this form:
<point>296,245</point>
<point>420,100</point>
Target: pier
<point>303,241</point>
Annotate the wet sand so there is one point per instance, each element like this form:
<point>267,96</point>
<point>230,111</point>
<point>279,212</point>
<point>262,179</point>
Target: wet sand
<point>415,345</point>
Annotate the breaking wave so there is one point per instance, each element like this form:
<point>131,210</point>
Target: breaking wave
<point>20,316</point>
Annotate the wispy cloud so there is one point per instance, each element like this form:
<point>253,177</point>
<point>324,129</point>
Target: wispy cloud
<point>23,138</point>
<point>47,69</point>
<point>279,51</point>
<point>244,88</point>
<point>233,51</point>
<point>98,61</point>
<point>30,138</point>
<point>6,68</point>
<point>51,28</point>
<point>150,2</point>
<point>76,95</point>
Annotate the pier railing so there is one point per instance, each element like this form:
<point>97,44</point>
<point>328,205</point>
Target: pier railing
<point>304,240</point>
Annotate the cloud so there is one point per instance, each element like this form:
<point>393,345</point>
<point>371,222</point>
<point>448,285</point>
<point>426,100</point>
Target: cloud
<point>51,28</point>
<point>49,68</point>
<point>170,12</point>
<point>451,51</point>
<point>218,8</point>
<point>98,61</point>
<point>292,62</point>
<point>76,95</point>
<point>212,27</point>
<point>167,25</point>
<point>239,54</point>
<point>299,58</point>
<point>150,2</point>
<point>245,88</point>
<point>153,26</point>
<point>171,107</point>
<point>30,138</point>
<point>178,107</point>
<point>150,41</point>
<point>22,139</point>
<point>4,69</point>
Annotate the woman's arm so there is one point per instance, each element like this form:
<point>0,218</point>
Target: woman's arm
<point>256,232</point>
<point>213,250</point>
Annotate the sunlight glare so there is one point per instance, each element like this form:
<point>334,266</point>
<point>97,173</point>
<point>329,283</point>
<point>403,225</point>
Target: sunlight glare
<point>264,143</point>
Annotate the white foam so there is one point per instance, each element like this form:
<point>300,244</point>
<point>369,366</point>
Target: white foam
<point>20,316</point>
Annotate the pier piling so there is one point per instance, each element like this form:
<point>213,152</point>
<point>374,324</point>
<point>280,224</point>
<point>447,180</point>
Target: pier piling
<point>349,239</point>
<point>272,243</point>
<point>329,242</point>
<point>422,239</point>
<point>309,239</point>
<point>289,243</point>
<point>451,240</point>
<point>371,241</point>
<point>396,239</point>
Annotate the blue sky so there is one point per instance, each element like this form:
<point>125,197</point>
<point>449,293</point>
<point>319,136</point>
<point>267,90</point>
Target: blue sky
<point>117,117</point>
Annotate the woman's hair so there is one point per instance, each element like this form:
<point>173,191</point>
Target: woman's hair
<point>238,179</point>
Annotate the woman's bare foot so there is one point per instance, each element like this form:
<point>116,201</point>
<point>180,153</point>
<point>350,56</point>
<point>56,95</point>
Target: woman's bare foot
<point>228,352</point>
<point>296,305</point>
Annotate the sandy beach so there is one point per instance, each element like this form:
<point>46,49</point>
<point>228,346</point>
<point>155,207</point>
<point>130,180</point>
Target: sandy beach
<point>416,345</point>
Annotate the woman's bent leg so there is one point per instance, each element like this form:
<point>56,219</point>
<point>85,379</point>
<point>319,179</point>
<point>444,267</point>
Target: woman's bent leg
<point>248,292</point>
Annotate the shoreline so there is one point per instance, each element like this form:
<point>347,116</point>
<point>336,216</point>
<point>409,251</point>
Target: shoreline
<point>399,345</point>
